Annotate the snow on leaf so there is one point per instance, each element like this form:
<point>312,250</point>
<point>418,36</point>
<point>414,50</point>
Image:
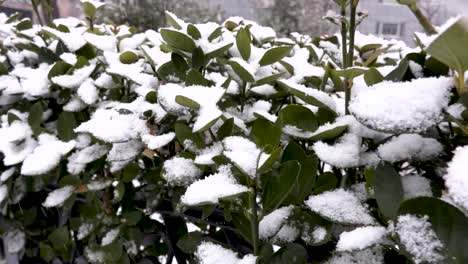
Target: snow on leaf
<point>221,184</point>
<point>413,106</point>
<point>271,223</point>
<point>46,156</point>
<point>111,126</point>
<point>155,142</point>
<point>410,147</point>
<point>58,196</point>
<point>419,239</point>
<point>110,237</point>
<point>14,240</point>
<point>340,206</point>
<point>361,238</point>
<point>456,178</point>
<point>76,79</point>
<point>243,153</point>
<point>343,154</point>
<point>373,255</point>
<point>180,171</point>
<point>210,253</point>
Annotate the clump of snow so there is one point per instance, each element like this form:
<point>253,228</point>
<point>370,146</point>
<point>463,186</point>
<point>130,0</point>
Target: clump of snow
<point>88,92</point>
<point>271,223</point>
<point>343,154</point>
<point>98,185</point>
<point>180,171</point>
<point>111,126</point>
<point>206,155</point>
<point>413,106</point>
<point>110,237</point>
<point>410,147</point>
<point>75,79</point>
<point>155,142</point>
<point>340,206</point>
<point>14,240</point>
<point>58,196</point>
<point>16,143</point>
<point>361,238</point>
<point>416,186</point>
<point>46,156</point>
<point>456,178</point>
<point>77,161</point>
<point>84,230</point>
<point>373,255</point>
<point>419,239</point>
<point>6,174</point>
<point>288,233</point>
<point>123,153</point>
<point>242,152</point>
<point>221,184</point>
<point>210,253</point>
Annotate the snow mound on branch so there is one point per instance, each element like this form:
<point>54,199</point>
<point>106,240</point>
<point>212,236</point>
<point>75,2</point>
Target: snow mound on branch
<point>419,239</point>
<point>413,106</point>
<point>410,147</point>
<point>340,206</point>
<point>206,155</point>
<point>155,142</point>
<point>361,238</point>
<point>180,171</point>
<point>456,178</point>
<point>221,184</point>
<point>271,223</point>
<point>210,253</point>
<point>46,156</point>
<point>416,186</point>
<point>16,143</point>
<point>111,126</point>
<point>77,161</point>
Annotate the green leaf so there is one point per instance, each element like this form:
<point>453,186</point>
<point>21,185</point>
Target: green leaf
<point>59,68</point>
<point>184,132</point>
<point>373,76</point>
<point>300,117</point>
<point>194,77</point>
<point>399,72</point>
<point>267,164</point>
<point>287,66</point>
<point>23,25</point>
<point>189,242</point>
<point>89,9</point>
<point>277,185</point>
<point>130,172</point>
<point>450,46</point>
<point>325,182</point>
<point>241,71</point>
<point>264,133</point>
<point>151,97</point>
<point>306,180</point>
<point>219,52</point>
<point>47,252</point>
<point>330,134</point>
<point>290,254</point>
<point>3,69</point>
<point>59,238</point>
<point>269,79</point>
<point>303,96</point>
<point>128,57</point>
<point>178,40</point>
<point>243,43</point>
<point>369,47</point>
<point>242,224</point>
<point>448,222</point>
<point>179,62</point>
<point>216,33</point>
<point>388,190</point>
<point>351,73</point>
<point>35,117</point>
<point>172,20</point>
<point>187,102</point>
<point>66,123</point>
<point>274,55</point>
<point>226,129</point>
<point>193,31</point>
<point>198,58</point>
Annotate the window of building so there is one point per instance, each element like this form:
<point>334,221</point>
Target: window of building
<point>389,29</point>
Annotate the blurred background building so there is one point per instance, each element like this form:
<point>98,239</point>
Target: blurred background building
<point>386,17</point>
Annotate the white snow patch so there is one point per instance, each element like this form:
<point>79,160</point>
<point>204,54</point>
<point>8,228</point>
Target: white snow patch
<point>155,142</point>
<point>361,238</point>
<point>456,178</point>
<point>180,171</point>
<point>58,196</point>
<point>271,223</point>
<point>410,147</point>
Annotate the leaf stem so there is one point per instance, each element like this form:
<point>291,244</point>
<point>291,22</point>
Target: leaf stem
<point>423,20</point>
<point>461,82</point>
<point>36,11</point>
<point>344,32</point>
<point>254,218</point>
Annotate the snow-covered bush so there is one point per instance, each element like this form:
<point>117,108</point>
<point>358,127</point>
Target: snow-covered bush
<point>214,143</point>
